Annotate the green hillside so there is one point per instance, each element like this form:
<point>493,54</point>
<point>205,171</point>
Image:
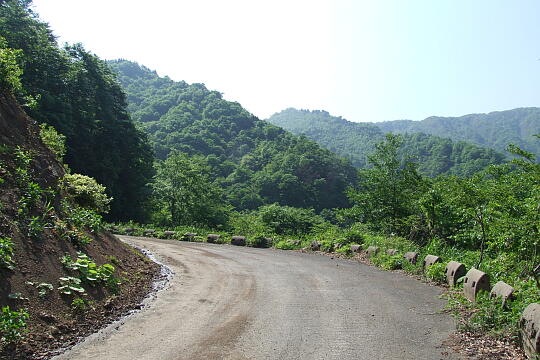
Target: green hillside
<point>494,130</point>
<point>254,162</point>
<point>434,155</point>
<point>74,91</point>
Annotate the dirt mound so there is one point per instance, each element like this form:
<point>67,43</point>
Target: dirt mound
<point>35,224</point>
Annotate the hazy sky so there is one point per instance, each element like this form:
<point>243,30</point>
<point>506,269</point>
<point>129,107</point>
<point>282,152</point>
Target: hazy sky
<point>364,60</point>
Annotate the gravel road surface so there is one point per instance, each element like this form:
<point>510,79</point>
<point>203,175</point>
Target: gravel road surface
<point>227,302</point>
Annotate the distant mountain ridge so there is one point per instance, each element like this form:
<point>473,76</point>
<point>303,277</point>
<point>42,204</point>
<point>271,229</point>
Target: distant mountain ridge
<point>435,155</point>
<point>494,130</point>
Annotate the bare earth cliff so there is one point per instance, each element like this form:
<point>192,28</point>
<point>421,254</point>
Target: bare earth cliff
<point>39,230</point>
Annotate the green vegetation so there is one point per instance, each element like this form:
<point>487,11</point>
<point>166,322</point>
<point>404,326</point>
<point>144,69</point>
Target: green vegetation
<point>285,220</point>
<point>254,162</point>
<point>53,140</point>
<point>433,155</point>
<point>386,193</point>
<point>489,315</point>
<point>388,262</point>
<point>88,270</point>
<point>70,285</point>
<point>76,93</point>
<point>78,305</point>
<point>10,72</point>
<point>36,210</point>
<point>12,324</point>
<point>44,289</point>
<point>34,204</point>
<point>493,211</point>
<point>185,194</point>
<point>488,221</point>
<point>494,130</point>
<point>6,253</point>
<point>86,192</point>
<point>218,169</point>
<point>436,272</point>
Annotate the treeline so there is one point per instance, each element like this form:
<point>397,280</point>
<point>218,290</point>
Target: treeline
<point>255,163</point>
<point>214,158</point>
<point>76,93</point>
<point>355,141</point>
<point>237,161</point>
<point>495,211</point>
<point>494,130</point>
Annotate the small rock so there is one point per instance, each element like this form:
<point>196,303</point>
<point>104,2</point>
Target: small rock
<point>54,330</point>
<point>49,318</point>
<point>109,303</point>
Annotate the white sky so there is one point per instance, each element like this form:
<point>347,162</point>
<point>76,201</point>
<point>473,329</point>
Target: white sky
<point>364,60</point>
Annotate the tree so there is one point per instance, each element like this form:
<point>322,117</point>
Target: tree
<point>10,72</point>
<point>386,193</point>
<point>182,188</point>
<point>496,211</point>
<point>256,163</point>
<point>75,92</point>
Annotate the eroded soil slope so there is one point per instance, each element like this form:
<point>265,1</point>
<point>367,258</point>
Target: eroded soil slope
<point>34,218</point>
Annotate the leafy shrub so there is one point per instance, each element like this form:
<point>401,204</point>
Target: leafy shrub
<point>437,272</point>
<point>6,253</point>
<point>412,268</point>
<point>70,285</point>
<point>345,249</point>
<point>44,289</point>
<point>388,262</point>
<point>82,218</point>
<point>288,220</point>
<point>86,192</point>
<point>286,245</point>
<point>55,141</point>
<point>79,238</point>
<point>10,72</point>
<point>488,315</point>
<point>113,284</point>
<point>12,324</point>
<point>36,226</point>
<point>79,305</point>
<point>328,245</point>
<point>65,232</point>
<point>248,223</point>
<point>353,236</point>
<point>22,161</point>
<point>31,193</point>
<point>30,196</point>
<point>89,271</point>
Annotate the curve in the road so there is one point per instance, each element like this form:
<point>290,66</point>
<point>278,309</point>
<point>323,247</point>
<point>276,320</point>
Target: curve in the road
<point>228,302</point>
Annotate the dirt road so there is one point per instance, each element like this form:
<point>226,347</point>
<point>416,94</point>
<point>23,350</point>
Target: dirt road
<point>228,302</point>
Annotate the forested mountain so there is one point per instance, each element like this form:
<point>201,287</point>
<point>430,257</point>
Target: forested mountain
<point>434,155</point>
<point>494,130</point>
<point>74,91</point>
<point>255,162</point>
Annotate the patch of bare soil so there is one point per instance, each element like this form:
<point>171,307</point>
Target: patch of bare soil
<point>481,346</point>
<point>54,323</point>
